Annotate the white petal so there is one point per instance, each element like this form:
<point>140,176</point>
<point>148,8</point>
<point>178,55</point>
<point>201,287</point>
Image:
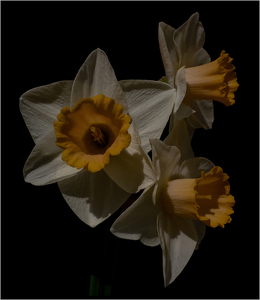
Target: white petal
<point>132,168</point>
<point>200,58</point>
<point>139,221</point>
<point>166,164</point>
<point>41,105</point>
<point>93,197</point>
<point>168,52</point>
<point>44,165</point>
<point>189,38</point>
<point>204,114</point>
<point>201,230</point>
<point>95,77</point>
<point>150,104</point>
<point>190,129</point>
<point>183,112</point>
<point>181,85</point>
<point>178,240</point>
<point>191,168</point>
<point>180,138</point>
<point>165,159</point>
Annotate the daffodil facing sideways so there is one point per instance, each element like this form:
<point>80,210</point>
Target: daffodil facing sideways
<point>189,193</point>
<point>86,136</point>
<point>213,81</point>
<point>206,199</point>
<point>197,80</point>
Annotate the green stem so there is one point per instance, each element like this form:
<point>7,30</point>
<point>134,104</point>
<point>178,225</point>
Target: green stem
<point>107,290</point>
<point>94,286</point>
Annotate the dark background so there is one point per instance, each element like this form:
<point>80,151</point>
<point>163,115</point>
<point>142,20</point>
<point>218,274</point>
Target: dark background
<point>46,251</point>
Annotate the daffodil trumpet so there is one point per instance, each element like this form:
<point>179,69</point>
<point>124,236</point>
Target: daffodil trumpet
<point>206,199</point>
<point>92,131</point>
<point>212,81</point>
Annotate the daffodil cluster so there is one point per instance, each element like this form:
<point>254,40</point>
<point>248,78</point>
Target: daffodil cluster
<point>93,134</point>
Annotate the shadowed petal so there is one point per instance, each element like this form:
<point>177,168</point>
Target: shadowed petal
<point>191,168</point>
<point>165,159</point>
<point>169,54</point>
<point>139,221</point>
<point>201,230</point>
<point>131,169</point>
<point>200,58</point>
<point>204,114</point>
<point>189,38</point>
<point>181,88</point>
<point>92,196</point>
<point>180,138</point>
<point>178,239</point>
<point>166,164</point>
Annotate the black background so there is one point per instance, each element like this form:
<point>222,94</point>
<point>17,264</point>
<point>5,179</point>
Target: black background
<point>46,251</point>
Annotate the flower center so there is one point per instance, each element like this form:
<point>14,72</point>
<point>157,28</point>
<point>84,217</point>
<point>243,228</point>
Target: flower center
<point>213,81</point>
<point>206,199</point>
<point>91,131</point>
<point>98,136</point>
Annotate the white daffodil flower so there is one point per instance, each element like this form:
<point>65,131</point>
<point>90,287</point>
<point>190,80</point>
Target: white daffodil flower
<point>197,80</point>
<point>189,193</point>
<point>86,138</point>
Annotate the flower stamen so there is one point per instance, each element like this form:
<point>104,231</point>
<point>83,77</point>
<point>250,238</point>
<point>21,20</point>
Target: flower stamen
<point>98,136</point>
<point>204,197</point>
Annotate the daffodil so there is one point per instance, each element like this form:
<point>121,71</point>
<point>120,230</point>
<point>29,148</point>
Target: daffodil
<point>189,193</point>
<point>86,138</point>
<point>197,80</point>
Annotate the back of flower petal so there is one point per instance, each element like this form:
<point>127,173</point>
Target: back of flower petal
<point>168,51</point>
<point>178,238</point>
<point>189,38</point>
